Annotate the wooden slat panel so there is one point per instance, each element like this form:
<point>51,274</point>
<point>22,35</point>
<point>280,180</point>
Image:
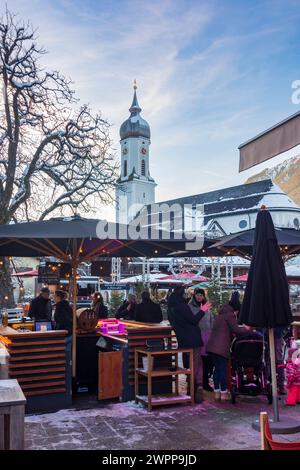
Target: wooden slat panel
<point>139,337</point>
<point>13,335</point>
<point>42,384</point>
<point>16,344</point>
<point>36,364</point>
<point>45,391</point>
<point>40,378</point>
<point>17,373</point>
<point>35,350</point>
<point>36,356</point>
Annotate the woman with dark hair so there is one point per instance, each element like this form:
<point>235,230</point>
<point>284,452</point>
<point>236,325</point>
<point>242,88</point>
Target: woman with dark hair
<point>225,325</point>
<point>205,327</point>
<point>235,302</point>
<point>98,306</point>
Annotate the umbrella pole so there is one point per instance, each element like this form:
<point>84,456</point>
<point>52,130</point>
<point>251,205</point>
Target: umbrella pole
<point>273,374</point>
<point>74,301</point>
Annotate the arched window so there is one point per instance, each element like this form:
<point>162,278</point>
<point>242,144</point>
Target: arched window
<point>125,168</point>
<point>143,167</point>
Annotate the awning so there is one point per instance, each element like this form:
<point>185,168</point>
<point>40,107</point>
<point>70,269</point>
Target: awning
<point>277,139</point>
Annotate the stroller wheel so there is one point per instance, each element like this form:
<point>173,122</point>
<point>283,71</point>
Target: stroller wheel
<point>233,398</point>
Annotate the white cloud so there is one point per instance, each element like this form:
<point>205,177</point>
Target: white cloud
<point>193,80</point>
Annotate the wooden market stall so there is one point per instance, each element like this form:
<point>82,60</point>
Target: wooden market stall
<point>40,363</point>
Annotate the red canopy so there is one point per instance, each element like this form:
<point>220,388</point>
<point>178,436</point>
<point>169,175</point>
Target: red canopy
<point>242,278</point>
<point>32,273</point>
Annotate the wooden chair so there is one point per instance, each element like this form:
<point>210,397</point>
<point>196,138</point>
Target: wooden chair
<point>267,442</point>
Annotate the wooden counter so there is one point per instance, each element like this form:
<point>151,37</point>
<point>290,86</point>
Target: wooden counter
<point>136,337</point>
<point>99,367</point>
<point>38,360</point>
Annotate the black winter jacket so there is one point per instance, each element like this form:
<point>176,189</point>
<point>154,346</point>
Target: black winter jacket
<point>40,309</point>
<point>148,312</point>
<point>184,322</point>
<point>63,316</point>
<point>126,314</point>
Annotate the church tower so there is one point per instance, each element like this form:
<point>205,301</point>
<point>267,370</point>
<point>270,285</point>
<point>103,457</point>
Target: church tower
<point>135,187</point>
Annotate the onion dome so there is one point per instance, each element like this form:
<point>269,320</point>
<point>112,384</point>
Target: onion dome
<point>135,125</point>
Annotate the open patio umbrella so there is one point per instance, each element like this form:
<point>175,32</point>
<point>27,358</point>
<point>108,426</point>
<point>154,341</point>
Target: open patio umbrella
<point>266,299</point>
<point>76,240</point>
<point>241,243</point>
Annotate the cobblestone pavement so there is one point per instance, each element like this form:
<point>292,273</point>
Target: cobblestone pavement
<point>119,426</point>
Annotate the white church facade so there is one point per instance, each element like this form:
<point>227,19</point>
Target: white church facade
<point>135,188</point>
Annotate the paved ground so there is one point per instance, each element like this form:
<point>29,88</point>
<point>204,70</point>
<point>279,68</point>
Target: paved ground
<point>129,426</point>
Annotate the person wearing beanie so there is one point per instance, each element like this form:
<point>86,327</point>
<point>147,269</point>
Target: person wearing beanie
<point>40,308</point>
<point>205,326</point>
<point>148,311</point>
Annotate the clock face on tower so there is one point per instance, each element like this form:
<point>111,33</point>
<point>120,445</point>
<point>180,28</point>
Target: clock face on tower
<point>124,151</point>
<point>143,151</point>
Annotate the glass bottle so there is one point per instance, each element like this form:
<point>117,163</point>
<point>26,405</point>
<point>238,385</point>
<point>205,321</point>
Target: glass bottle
<point>5,319</point>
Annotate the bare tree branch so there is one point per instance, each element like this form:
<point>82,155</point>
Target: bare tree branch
<point>52,157</point>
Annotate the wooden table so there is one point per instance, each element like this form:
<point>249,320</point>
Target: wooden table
<point>12,408</point>
<point>170,399</point>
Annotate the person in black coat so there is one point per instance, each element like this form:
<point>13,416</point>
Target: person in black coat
<point>40,307</point>
<point>63,313</point>
<point>127,309</point>
<point>185,324</point>
<point>148,311</point>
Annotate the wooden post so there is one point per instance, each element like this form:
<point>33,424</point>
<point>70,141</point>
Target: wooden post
<point>273,374</point>
<point>74,300</point>
<point>192,377</point>
<point>136,376</point>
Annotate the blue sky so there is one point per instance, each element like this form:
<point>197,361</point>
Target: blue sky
<point>211,74</point>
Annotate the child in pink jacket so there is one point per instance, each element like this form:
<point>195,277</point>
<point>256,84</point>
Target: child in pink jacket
<point>293,377</point>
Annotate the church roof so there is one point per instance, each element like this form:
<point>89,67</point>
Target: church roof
<point>135,125</point>
<point>245,198</point>
<point>240,198</point>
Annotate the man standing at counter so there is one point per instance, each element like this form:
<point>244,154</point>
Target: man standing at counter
<point>148,311</point>
<point>40,307</point>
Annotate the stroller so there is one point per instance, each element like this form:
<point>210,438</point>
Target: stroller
<point>250,369</point>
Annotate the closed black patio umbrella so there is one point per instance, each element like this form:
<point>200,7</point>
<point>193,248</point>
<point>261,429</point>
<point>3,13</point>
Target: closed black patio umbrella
<point>266,299</point>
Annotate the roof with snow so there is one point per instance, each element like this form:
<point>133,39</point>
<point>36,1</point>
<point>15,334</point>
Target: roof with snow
<point>244,198</point>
